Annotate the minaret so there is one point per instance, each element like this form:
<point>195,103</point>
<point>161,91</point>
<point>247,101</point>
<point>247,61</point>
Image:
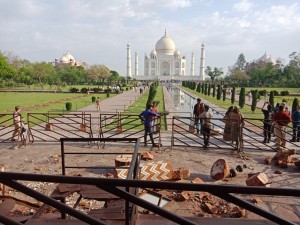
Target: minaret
<point>193,65</point>
<point>202,62</point>
<point>128,60</point>
<point>136,69</point>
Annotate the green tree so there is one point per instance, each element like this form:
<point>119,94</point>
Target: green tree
<point>198,88</point>
<point>218,92</point>
<point>241,62</point>
<point>233,95</point>
<point>214,90</point>
<point>205,88</point>
<point>254,100</point>
<point>7,72</point>
<point>224,94</point>
<point>238,76</point>
<point>209,89</point>
<point>213,74</point>
<point>95,73</point>
<point>40,71</point>
<point>242,97</point>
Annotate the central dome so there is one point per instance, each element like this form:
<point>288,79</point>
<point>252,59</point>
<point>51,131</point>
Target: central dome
<point>165,45</point>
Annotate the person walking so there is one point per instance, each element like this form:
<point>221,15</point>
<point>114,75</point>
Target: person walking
<point>227,128</point>
<point>281,120</point>
<point>146,117</point>
<point>206,126</point>
<point>237,126</point>
<point>267,111</point>
<point>198,109</point>
<point>17,123</point>
<point>296,124</point>
<point>98,104</point>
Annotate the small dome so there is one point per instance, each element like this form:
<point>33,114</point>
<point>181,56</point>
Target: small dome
<point>69,56</point>
<point>177,53</point>
<point>165,45</point>
<point>64,59</point>
<point>153,54</point>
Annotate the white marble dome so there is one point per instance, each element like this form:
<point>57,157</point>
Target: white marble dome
<point>67,58</point>
<point>153,54</point>
<point>165,45</point>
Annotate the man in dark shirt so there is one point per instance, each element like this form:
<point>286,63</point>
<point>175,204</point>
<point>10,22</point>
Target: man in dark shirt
<point>267,111</point>
<point>281,119</point>
<point>198,109</point>
<point>147,118</point>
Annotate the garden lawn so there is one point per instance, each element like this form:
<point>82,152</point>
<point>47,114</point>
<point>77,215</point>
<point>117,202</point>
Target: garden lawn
<point>43,102</point>
<point>227,103</point>
<point>140,105</point>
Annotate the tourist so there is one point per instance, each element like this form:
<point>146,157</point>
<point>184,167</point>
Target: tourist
<point>206,126</point>
<point>281,120</point>
<point>141,90</point>
<point>249,96</point>
<point>266,96</point>
<point>296,124</point>
<point>98,104</point>
<point>237,123</point>
<point>146,118</point>
<point>17,122</point>
<point>267,111</point>
<point>198,109</point>
<point>227,128</point>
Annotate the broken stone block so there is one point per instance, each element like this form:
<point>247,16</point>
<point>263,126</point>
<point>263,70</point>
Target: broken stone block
<point>197,180</point>
<point>258,179</point>
<point>181,173</point>
<point>123,160</point>
<point>268,160</point>
<point>185,195</point>
<point>210,208</point>
<point>147,156</point>
<point>220,169</point>
<point>238,212</point>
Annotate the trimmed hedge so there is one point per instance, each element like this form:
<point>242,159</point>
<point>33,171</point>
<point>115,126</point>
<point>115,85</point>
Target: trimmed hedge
<point>68,106</point>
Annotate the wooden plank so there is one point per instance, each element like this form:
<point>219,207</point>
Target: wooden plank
<point>93,192</point>
<point>6,206</point>
<point>154,220</point>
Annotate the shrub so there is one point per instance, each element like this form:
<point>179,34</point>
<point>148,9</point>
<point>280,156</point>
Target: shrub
<point>126,88</point>
<point>73,90</point>
<point>262,92</point>
<point>117,91</point>
<point>96,90</point>
<point>93,99</point>
<point>276,93</point>
<point>107,94</point>
<point>68,106</point>
<point>284,93</point>
<point>224,94</point>
<point>254,100</point>
<point>242,97</point>
<point>84,90</point>
<point>108,90</point>
<point>219,92</point>
<point>233,95</point>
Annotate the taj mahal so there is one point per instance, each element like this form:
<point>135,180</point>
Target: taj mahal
<point>166,62</point>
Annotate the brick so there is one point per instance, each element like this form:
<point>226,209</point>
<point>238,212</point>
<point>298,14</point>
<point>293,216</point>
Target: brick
<point>259,179</point>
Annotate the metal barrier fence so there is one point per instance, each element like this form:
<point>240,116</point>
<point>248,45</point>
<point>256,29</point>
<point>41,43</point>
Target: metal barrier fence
<point>124,125</point>
<point>112,186</point>
<point>247,135</point>
<point>53,126</point>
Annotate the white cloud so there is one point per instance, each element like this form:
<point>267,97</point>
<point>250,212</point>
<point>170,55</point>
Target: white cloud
<point>243,6</point>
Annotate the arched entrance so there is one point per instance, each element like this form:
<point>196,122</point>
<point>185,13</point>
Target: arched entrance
<point>164,69</point>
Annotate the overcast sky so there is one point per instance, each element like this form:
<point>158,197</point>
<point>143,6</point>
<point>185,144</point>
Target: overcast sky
<point>97,31</point>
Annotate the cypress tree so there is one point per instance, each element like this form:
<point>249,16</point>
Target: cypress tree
<point>202,88</point>
<point>294,105</point>
<point>271,99</point>
<point>233,95</point>
<point>254,100</point>
<point>242,97</point>
<point>209,88</point>
<point>198,88</point>
<point>224,94</point>
<point>205,88</point>
<point>214,90</point>
<point>219,92</point>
